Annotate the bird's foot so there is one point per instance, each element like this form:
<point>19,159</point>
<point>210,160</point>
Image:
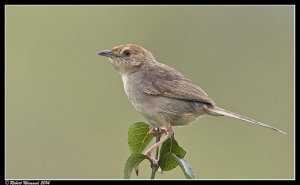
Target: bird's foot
<point>153,131</point>
<point>150,158</point>
<point>153,163</point>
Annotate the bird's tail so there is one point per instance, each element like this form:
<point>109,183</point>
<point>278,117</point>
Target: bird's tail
<point>217,111</point>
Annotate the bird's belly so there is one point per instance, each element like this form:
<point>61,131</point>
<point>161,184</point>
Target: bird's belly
<point>160,111</point>
<point>187,118</point>
<point>149,111</point>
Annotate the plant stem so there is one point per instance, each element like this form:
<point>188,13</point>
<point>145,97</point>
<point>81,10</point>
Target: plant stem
<point>155,166</point>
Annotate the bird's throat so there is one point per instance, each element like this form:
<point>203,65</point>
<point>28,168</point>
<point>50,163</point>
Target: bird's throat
<point>125,83</point>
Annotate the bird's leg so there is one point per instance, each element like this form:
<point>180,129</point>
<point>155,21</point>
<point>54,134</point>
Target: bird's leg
<point>152,130</point>
<point>169,132</point>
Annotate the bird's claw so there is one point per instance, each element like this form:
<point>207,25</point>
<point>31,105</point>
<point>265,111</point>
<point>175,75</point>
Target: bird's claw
<point>153,161</point>
<point>153,131</point>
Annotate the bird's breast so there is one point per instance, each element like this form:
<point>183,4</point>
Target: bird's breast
<point>131,88</point>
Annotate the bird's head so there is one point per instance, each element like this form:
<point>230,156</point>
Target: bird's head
<point>127,58</point>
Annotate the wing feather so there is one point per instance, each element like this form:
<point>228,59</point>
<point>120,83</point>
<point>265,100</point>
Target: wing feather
<point>166,81</point>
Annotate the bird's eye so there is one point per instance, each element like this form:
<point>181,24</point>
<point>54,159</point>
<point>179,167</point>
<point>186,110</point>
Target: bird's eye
<point>126,53</point>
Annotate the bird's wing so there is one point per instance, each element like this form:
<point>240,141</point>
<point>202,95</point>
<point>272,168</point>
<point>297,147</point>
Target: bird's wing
<point>170,83</point>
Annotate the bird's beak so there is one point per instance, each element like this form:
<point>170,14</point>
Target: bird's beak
<point>106,53</point>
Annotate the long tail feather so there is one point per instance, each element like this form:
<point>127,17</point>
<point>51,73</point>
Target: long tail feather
<point>221,112</point>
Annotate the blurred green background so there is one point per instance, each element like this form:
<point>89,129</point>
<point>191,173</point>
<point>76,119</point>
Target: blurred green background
<point>67,115</point>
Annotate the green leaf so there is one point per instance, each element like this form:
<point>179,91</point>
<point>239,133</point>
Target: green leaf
<point>171,159</point>
<point>171,145</point>
<point>139,137</point>
<point>131,162</point>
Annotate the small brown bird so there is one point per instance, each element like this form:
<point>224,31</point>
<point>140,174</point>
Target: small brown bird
<point>160,93</point>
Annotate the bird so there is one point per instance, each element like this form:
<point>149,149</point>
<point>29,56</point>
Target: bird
<point>164,96</point>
